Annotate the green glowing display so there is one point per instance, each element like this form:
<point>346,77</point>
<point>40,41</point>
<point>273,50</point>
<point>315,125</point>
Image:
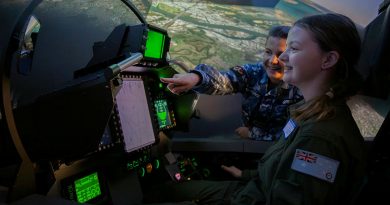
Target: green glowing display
<point>162,110</point>
<point>155,45</point>
<point>87,188</point>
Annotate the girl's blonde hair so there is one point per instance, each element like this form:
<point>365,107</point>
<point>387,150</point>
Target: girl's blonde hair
<point>332,32</point>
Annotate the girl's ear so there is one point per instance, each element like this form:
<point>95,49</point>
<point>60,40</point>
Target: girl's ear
<point>329,60</point>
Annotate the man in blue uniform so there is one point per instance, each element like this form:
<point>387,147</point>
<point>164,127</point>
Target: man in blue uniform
<point>266,96</point>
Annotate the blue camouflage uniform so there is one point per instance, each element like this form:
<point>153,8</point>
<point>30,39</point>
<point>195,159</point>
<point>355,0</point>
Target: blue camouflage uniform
<point>264,109</point>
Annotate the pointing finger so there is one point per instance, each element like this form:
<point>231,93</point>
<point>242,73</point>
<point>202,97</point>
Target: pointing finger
<point>168,80</point>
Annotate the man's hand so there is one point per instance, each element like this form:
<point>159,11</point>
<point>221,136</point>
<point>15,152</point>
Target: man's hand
<point>181,82</point>
<point>236,172</point>
<point>243,132</point>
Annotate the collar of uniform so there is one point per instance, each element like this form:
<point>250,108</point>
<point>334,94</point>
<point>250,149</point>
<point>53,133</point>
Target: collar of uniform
<point>339,102</point>
<point>293,107</point>
<point>285,85</point>
<point>334,102</point>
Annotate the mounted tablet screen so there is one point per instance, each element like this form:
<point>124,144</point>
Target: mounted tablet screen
<point>134,115</point>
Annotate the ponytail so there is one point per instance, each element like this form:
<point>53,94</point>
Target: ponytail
<point>321,108</point>
<point>318,108</point>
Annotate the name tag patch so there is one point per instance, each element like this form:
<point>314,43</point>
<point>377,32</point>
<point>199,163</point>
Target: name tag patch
<point>315,165</point>
<point>289,128</point>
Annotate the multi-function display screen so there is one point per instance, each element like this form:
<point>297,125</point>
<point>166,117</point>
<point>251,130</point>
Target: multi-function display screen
<point>87,188</point>
<point>163,114</point>
<point>155,45</point>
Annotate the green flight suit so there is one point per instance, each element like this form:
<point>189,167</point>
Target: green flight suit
<point>275,182</point>
<point>337,138</point>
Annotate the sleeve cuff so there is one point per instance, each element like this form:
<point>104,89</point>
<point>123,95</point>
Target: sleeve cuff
<point>200,74</point>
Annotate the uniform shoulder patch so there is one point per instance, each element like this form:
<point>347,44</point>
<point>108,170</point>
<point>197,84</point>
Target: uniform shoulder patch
<point>315,165</point>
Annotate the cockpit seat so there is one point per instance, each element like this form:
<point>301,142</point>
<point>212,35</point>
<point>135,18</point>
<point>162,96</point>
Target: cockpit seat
<point>374,66</point>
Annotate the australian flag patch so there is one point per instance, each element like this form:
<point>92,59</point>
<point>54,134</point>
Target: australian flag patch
<point>315,165</point>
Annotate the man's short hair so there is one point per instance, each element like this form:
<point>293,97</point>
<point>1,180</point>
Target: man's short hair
<point>279,31</point>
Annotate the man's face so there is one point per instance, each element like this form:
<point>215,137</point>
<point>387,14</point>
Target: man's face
<point>274,67</point>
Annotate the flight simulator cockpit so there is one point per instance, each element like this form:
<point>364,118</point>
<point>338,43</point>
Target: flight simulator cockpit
<point>84,117</point>
<point>81,98</point>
